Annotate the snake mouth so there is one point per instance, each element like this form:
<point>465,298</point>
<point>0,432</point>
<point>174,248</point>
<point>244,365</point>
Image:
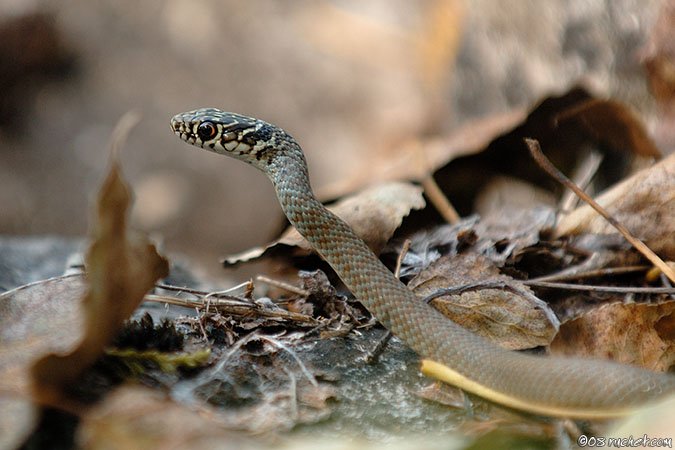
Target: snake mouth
<point>181,129</point>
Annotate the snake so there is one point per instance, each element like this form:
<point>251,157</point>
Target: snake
<point>557,386</point>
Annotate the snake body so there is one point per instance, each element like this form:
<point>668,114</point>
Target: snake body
<point>563,387</point>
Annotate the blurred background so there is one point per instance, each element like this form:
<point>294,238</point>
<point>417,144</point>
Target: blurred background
<point>350,80</point>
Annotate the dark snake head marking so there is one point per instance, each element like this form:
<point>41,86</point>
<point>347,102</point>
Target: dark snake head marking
<point>248,139</point>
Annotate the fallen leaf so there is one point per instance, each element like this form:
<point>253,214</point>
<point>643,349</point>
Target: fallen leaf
<point>659,61</point>
<point>384,41</point>
<point>444,394</point>
<point>120,268</point>
<point>612,124</point>
<point>566,143</point>
<point>35,319</point>
<point>503,194</point>
<point>643,203</point>
<point>374,214</point>
<point>383,46</point>
<point>427,245</point>
<point>53,316</point>
<point>414,159</point>
<point>634,333</point>
<point>256,389</point>
<point>513,216</point>
<point>135,417</point>
<point>514,320</point>
<point>502,235</point>
<point>438,43</point>
<point>323,299</point>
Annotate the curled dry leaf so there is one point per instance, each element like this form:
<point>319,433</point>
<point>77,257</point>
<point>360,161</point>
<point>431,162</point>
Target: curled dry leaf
<point>613,124</point>
<point>640,334</point>
<point>374,214</point>
<point>121,269</point>
<point>513,318</point>
<point>643,203</point>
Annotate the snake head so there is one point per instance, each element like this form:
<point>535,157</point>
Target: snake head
<point>241,137</point>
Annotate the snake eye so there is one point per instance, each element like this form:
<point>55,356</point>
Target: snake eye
<point>206,131</point>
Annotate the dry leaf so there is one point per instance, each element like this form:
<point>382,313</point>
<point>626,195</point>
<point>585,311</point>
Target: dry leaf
<point>140,418</point>
<point>439,42</point>
<point>257,390</point>
<point>35,319</point>
<point>513,320</point>
<point>640,334</point>
<point>414,159</point>
<point>643,203</point>
<point>503,194</point>
<point>513,216</point>
<point>659,61</point>
<point>371,41</point>
<point>385,41</point>
<point>52,316</point>
<point>121,269</point>
<point>374,214</point>
<point>444,394</point>
<point>613,124</point>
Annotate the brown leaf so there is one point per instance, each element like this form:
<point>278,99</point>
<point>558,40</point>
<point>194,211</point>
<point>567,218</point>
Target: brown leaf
<point>121,268</point>
<point>140,418</point>
<point>504,194</point>
<point>444,394</point>
<point>514,320</point>
<point>35,319</point>
<point>613,124</point>
<point>374,214</point>
<point>640,334</point>
<point>414,159</point>
<point>374,42</point>
<point>513,216</point>
<point>643,203</point>
<point>659,61</point>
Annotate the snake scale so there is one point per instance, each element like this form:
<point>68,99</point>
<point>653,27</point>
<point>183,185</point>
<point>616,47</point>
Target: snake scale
<point>553,386</point>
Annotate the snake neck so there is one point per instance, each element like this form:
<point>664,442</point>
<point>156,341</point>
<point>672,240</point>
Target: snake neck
<point>289,175</point>
<point>332,237</point>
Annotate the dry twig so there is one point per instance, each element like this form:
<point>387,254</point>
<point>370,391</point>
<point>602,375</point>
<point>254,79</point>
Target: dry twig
<point>544,163</point>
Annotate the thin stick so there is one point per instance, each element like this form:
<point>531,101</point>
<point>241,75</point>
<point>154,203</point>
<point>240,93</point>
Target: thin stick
<point>282,285</point>
<point>439,200</point>
<point>584,174</point>
<point>399,261</point>
<point>200,293</point>
<point>593,288</point>
<point>233,307</point>
<point>544,163</point>
<point>597,273</point>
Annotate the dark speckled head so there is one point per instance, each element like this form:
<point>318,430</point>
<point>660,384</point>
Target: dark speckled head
<point>241,137</point>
